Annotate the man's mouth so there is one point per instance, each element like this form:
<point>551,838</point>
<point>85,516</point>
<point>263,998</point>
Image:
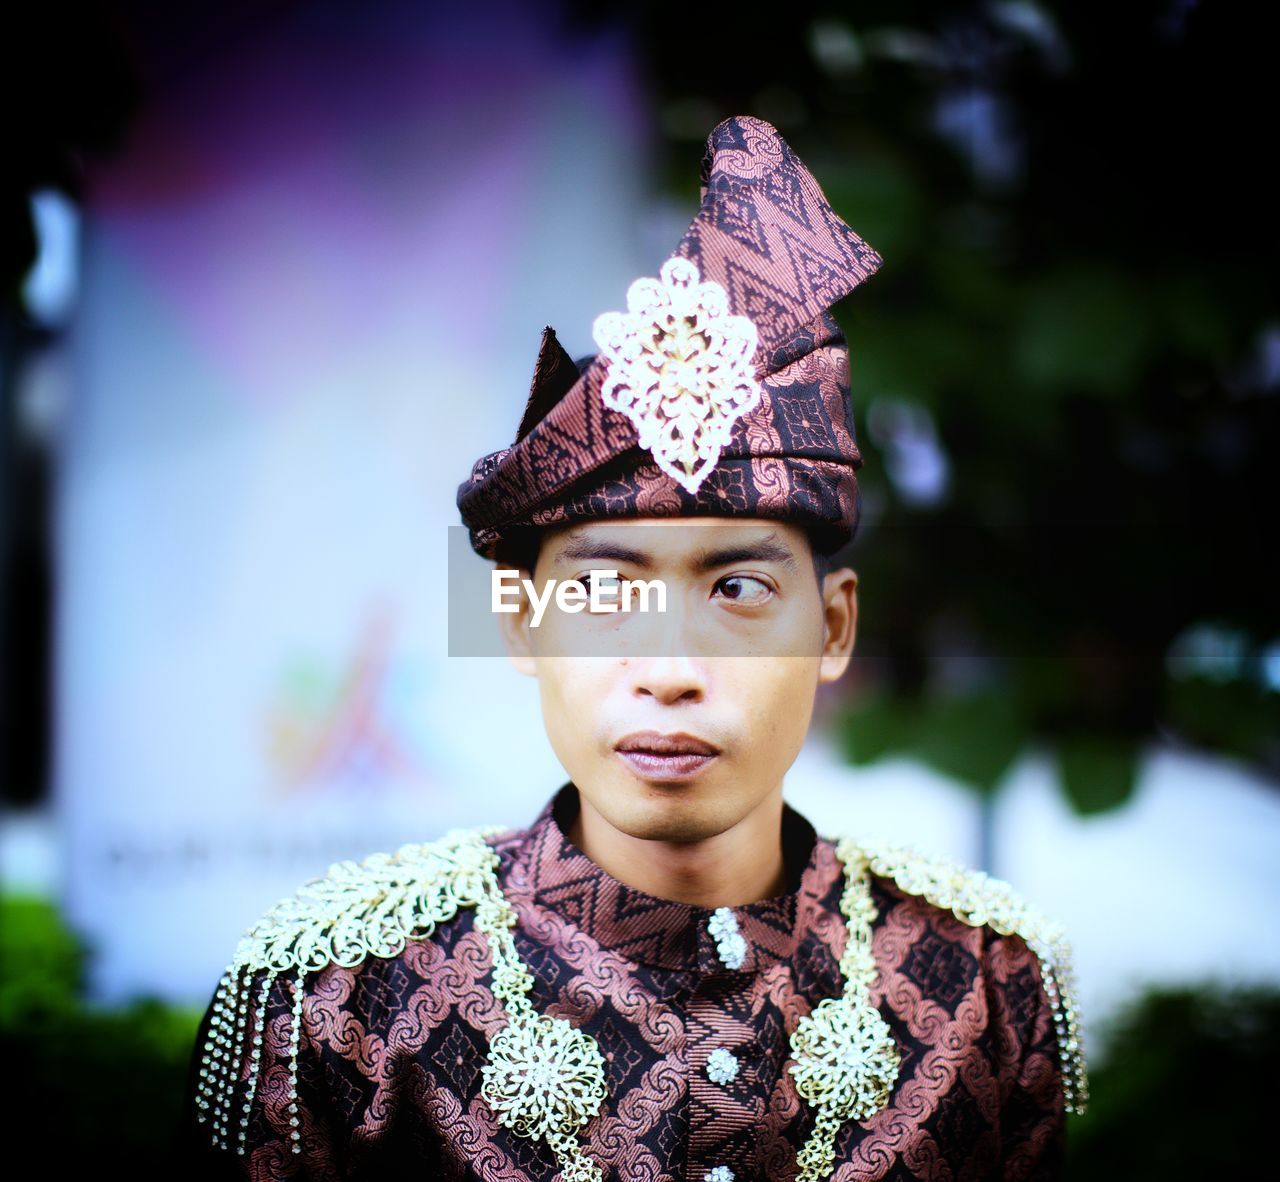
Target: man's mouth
<point>655,756</point>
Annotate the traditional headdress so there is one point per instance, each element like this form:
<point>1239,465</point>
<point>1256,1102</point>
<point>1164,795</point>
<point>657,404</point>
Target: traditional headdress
<point>722,390</point>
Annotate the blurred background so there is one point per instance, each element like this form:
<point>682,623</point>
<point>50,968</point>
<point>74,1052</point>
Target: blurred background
<point>275,273</point>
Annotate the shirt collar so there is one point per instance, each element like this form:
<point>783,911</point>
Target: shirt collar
<point>551,872</point>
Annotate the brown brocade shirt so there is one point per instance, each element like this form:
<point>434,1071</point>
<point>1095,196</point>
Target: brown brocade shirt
<point>390,1053</point>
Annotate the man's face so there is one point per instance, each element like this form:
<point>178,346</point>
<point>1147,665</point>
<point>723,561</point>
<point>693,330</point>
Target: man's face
<point>676,725</point>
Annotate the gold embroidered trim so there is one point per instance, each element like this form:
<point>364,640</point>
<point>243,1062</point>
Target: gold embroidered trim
<point>544,1078</point>
<point>371,908</point>
<point>845,1059</point>
<point>680,368</point>
<point>976,898</point>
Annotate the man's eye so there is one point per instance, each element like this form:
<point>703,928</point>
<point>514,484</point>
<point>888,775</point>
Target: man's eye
<point>608,583</point>
<point>744,589</point>
<point>610,587</point>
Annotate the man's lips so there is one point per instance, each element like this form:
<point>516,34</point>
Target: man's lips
<point>656,743</point>
<point>655,756</point>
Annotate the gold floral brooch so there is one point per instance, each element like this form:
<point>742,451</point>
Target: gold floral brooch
<point>680,368</point>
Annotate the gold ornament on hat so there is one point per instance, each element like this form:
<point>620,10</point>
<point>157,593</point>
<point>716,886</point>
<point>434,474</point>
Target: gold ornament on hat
<point>680,368</point>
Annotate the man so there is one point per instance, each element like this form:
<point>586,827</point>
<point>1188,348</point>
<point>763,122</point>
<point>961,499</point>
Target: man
<point>669,974</point>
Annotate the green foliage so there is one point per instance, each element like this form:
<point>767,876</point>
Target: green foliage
<point>1232,715</point>
<point>41,964</point>
<point>973,738</point>
<point>1076,297</point>
<point>108,1082</point>
<point>1097,772</point>
<point>1185,1089</point>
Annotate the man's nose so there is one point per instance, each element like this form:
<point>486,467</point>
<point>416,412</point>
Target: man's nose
<point>669,666</point>
<point>670,678</point>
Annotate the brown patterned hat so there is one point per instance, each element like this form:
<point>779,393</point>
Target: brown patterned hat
<point>722,390</point>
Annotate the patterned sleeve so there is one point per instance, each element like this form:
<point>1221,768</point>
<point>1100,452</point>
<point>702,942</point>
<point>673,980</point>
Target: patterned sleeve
<point>243,1117</point>
<point>1033,1105</point>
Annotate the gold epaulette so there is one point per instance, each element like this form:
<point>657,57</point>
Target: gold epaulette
<point>356,910</point>
<point>978,899</point>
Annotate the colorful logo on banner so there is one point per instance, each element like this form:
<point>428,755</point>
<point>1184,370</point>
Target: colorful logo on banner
<point>350,727</point>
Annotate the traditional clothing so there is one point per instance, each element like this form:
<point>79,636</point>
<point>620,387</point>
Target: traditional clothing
<point>723,390</point>
<point>493,1007</point>
<point>370,1057</point>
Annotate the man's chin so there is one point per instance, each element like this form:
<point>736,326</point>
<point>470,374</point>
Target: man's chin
<point>668,815</point>
<point>674,831</point>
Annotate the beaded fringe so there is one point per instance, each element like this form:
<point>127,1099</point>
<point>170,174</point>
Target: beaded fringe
<point>232,1056</point>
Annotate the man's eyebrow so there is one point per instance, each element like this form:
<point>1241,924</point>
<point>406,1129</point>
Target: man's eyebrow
<point>587,549</point>
<point>764,550</point>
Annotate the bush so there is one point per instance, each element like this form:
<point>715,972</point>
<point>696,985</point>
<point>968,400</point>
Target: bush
<point>1185,1089</point>
<point>97,1086</point>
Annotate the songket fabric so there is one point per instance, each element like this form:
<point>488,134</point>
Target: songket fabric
<point>724,390</point>
<point>692,1010</point>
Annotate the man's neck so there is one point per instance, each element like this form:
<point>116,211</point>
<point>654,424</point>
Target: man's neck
<point>742,865</point>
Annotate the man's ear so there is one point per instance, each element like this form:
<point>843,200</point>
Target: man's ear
<point>515,627</point>
<point>840,622</point>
